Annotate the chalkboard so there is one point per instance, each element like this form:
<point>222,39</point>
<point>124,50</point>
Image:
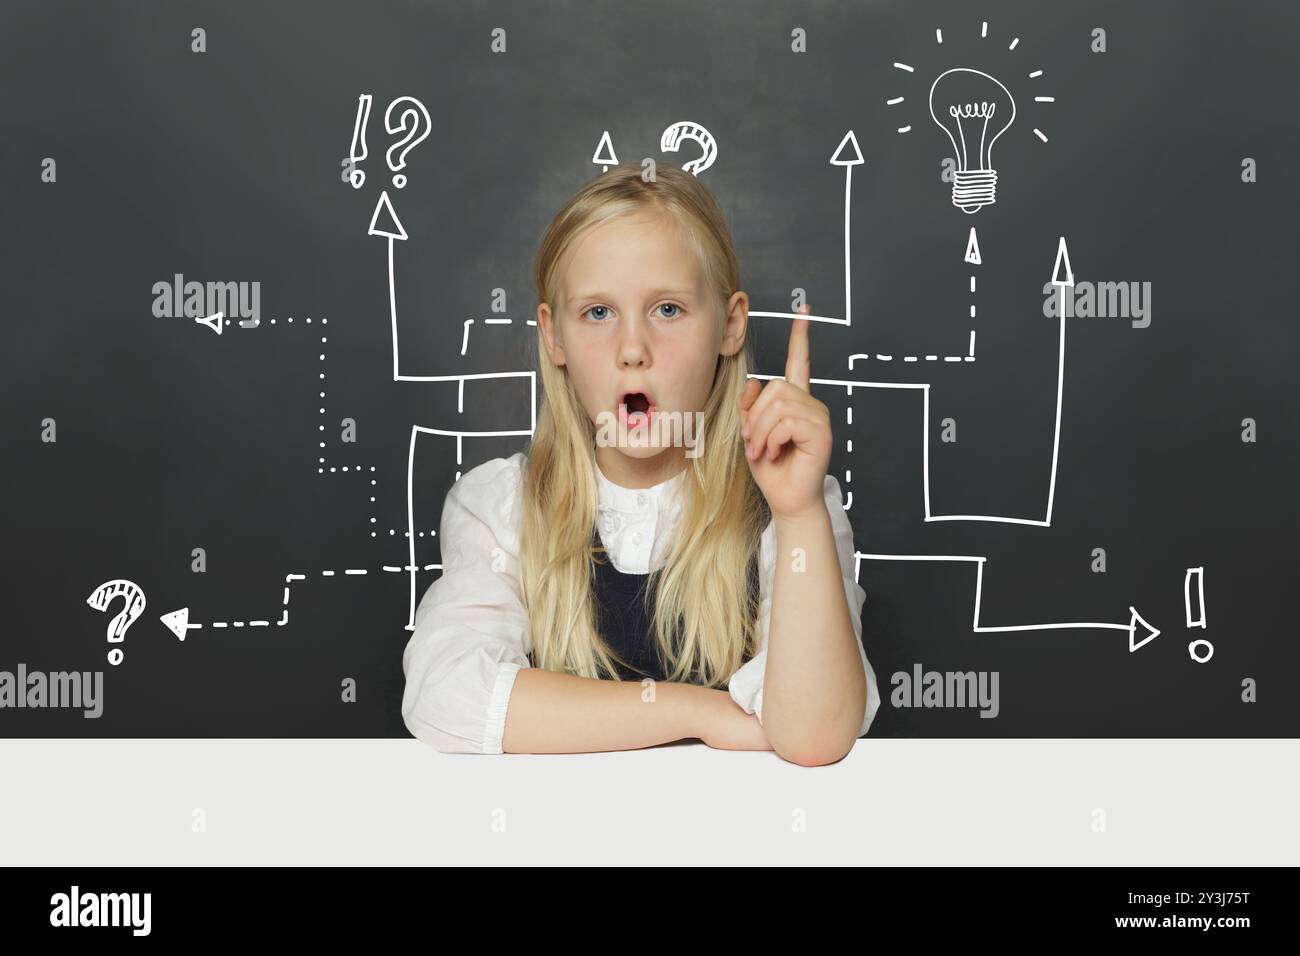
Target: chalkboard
<point>230,518</point>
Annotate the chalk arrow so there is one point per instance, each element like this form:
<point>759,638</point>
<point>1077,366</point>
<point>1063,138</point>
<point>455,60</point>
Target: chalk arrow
<point>393,229</point>
<point>212,321</point>
<point>604,154</point>
<point>177,621</point>
<point>1062,278</point>
<point>848,155</point>
<point>1133,622</point>
<point>973,249</point>
<point>1132,627</point>
<point>842,155</point>
<point>1062,274</point>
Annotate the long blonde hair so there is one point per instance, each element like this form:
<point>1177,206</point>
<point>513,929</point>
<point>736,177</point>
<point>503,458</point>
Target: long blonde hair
<point>705,615</point>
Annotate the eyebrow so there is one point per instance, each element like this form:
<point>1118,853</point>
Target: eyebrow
<point>654,294</point>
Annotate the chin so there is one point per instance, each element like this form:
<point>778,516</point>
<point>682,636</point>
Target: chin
<point>640,452</point>
<point>648,453</point>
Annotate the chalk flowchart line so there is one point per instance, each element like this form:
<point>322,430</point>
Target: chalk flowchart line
<point>1148,632</point>
<point>393,232</point>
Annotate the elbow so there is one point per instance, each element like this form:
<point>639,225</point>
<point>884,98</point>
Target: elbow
<point>816,741</point>
<point>441,741</point>
<point>816,756</point>
<point>814,748</point>
<point>424,728</point>
<point>429,720</point>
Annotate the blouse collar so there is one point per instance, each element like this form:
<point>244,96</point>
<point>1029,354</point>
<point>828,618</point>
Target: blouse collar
<point>633,501</point>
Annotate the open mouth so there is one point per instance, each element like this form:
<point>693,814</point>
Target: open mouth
<point>635,408</point>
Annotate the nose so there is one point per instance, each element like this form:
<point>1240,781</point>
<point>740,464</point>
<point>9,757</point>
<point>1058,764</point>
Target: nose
<point>633,349</point>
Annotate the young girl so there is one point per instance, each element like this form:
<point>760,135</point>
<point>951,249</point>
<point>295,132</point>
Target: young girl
<point>564,570</point>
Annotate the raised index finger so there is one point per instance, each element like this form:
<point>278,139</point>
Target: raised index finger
<point>796,359</point>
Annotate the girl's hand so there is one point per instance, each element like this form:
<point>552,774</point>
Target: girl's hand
<point>788,434</point>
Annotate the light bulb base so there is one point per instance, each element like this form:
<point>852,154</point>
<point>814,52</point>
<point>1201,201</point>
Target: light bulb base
<point>974,188</point>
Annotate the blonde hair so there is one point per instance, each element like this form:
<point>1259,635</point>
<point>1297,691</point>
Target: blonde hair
<point>705,615</point>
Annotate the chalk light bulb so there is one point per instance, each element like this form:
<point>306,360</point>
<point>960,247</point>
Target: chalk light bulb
<point>974,109</point>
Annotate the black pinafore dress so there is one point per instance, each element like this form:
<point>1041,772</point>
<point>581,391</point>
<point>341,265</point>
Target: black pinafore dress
<point>624,616</point>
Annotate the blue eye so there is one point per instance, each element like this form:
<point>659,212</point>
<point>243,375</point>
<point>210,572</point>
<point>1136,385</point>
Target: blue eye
<point>598,319</point>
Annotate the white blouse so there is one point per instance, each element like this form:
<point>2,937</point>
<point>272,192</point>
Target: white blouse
<point>471,630</point>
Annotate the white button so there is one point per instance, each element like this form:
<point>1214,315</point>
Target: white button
<point>636,537</point>
<point>641,499</point>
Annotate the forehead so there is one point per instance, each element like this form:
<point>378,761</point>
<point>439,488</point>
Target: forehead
<point>630,256</point>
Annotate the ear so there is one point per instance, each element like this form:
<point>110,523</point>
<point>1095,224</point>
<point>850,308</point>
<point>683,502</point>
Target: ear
<point>737,324</point>
<point>546,322</point>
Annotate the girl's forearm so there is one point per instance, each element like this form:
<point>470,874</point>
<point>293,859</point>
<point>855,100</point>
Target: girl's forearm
<point>550,712</point>
<point>814,690</point>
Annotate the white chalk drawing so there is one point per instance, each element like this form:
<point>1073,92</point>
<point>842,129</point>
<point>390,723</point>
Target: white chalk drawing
<point>846,154</point>
<point>1062,271</point>
<point>972,244</point>
<point>1134,627</point>
<point>973,122</point>
<point>1206,649</point>
<point>1197,575</point>
<point>405,115</point>
<point>384,222</point>
<point>604,155</point>
<point>133,602</point>
<point>358,150</point>
<point>179,623</point>
<point>924,389</point>
<point>1063,277</point>
<point>974,109</point>
<point>671,141</point>
<point>212,321</point>
<point>414,124</point>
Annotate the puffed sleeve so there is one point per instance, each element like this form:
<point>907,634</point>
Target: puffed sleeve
<point>471,630</point>
<point>746,685</point>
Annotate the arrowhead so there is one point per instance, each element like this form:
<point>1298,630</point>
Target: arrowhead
<point>841,158</point>
<point>973,249</point>
<point>1133,622</point>
<point>393,226</point>
<point>1062,274</point>
<point>177,621</point>
<point>212,321</point>
<point>608,159</point>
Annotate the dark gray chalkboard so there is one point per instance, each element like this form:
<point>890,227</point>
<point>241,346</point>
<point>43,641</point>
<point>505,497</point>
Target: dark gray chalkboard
<point>224,166</point>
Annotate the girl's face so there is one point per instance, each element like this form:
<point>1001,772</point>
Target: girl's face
<point>633,314</point>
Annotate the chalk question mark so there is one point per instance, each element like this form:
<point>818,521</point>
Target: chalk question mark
<point>410,124</point>
<point>133,599</point>
<point>672,138</point>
